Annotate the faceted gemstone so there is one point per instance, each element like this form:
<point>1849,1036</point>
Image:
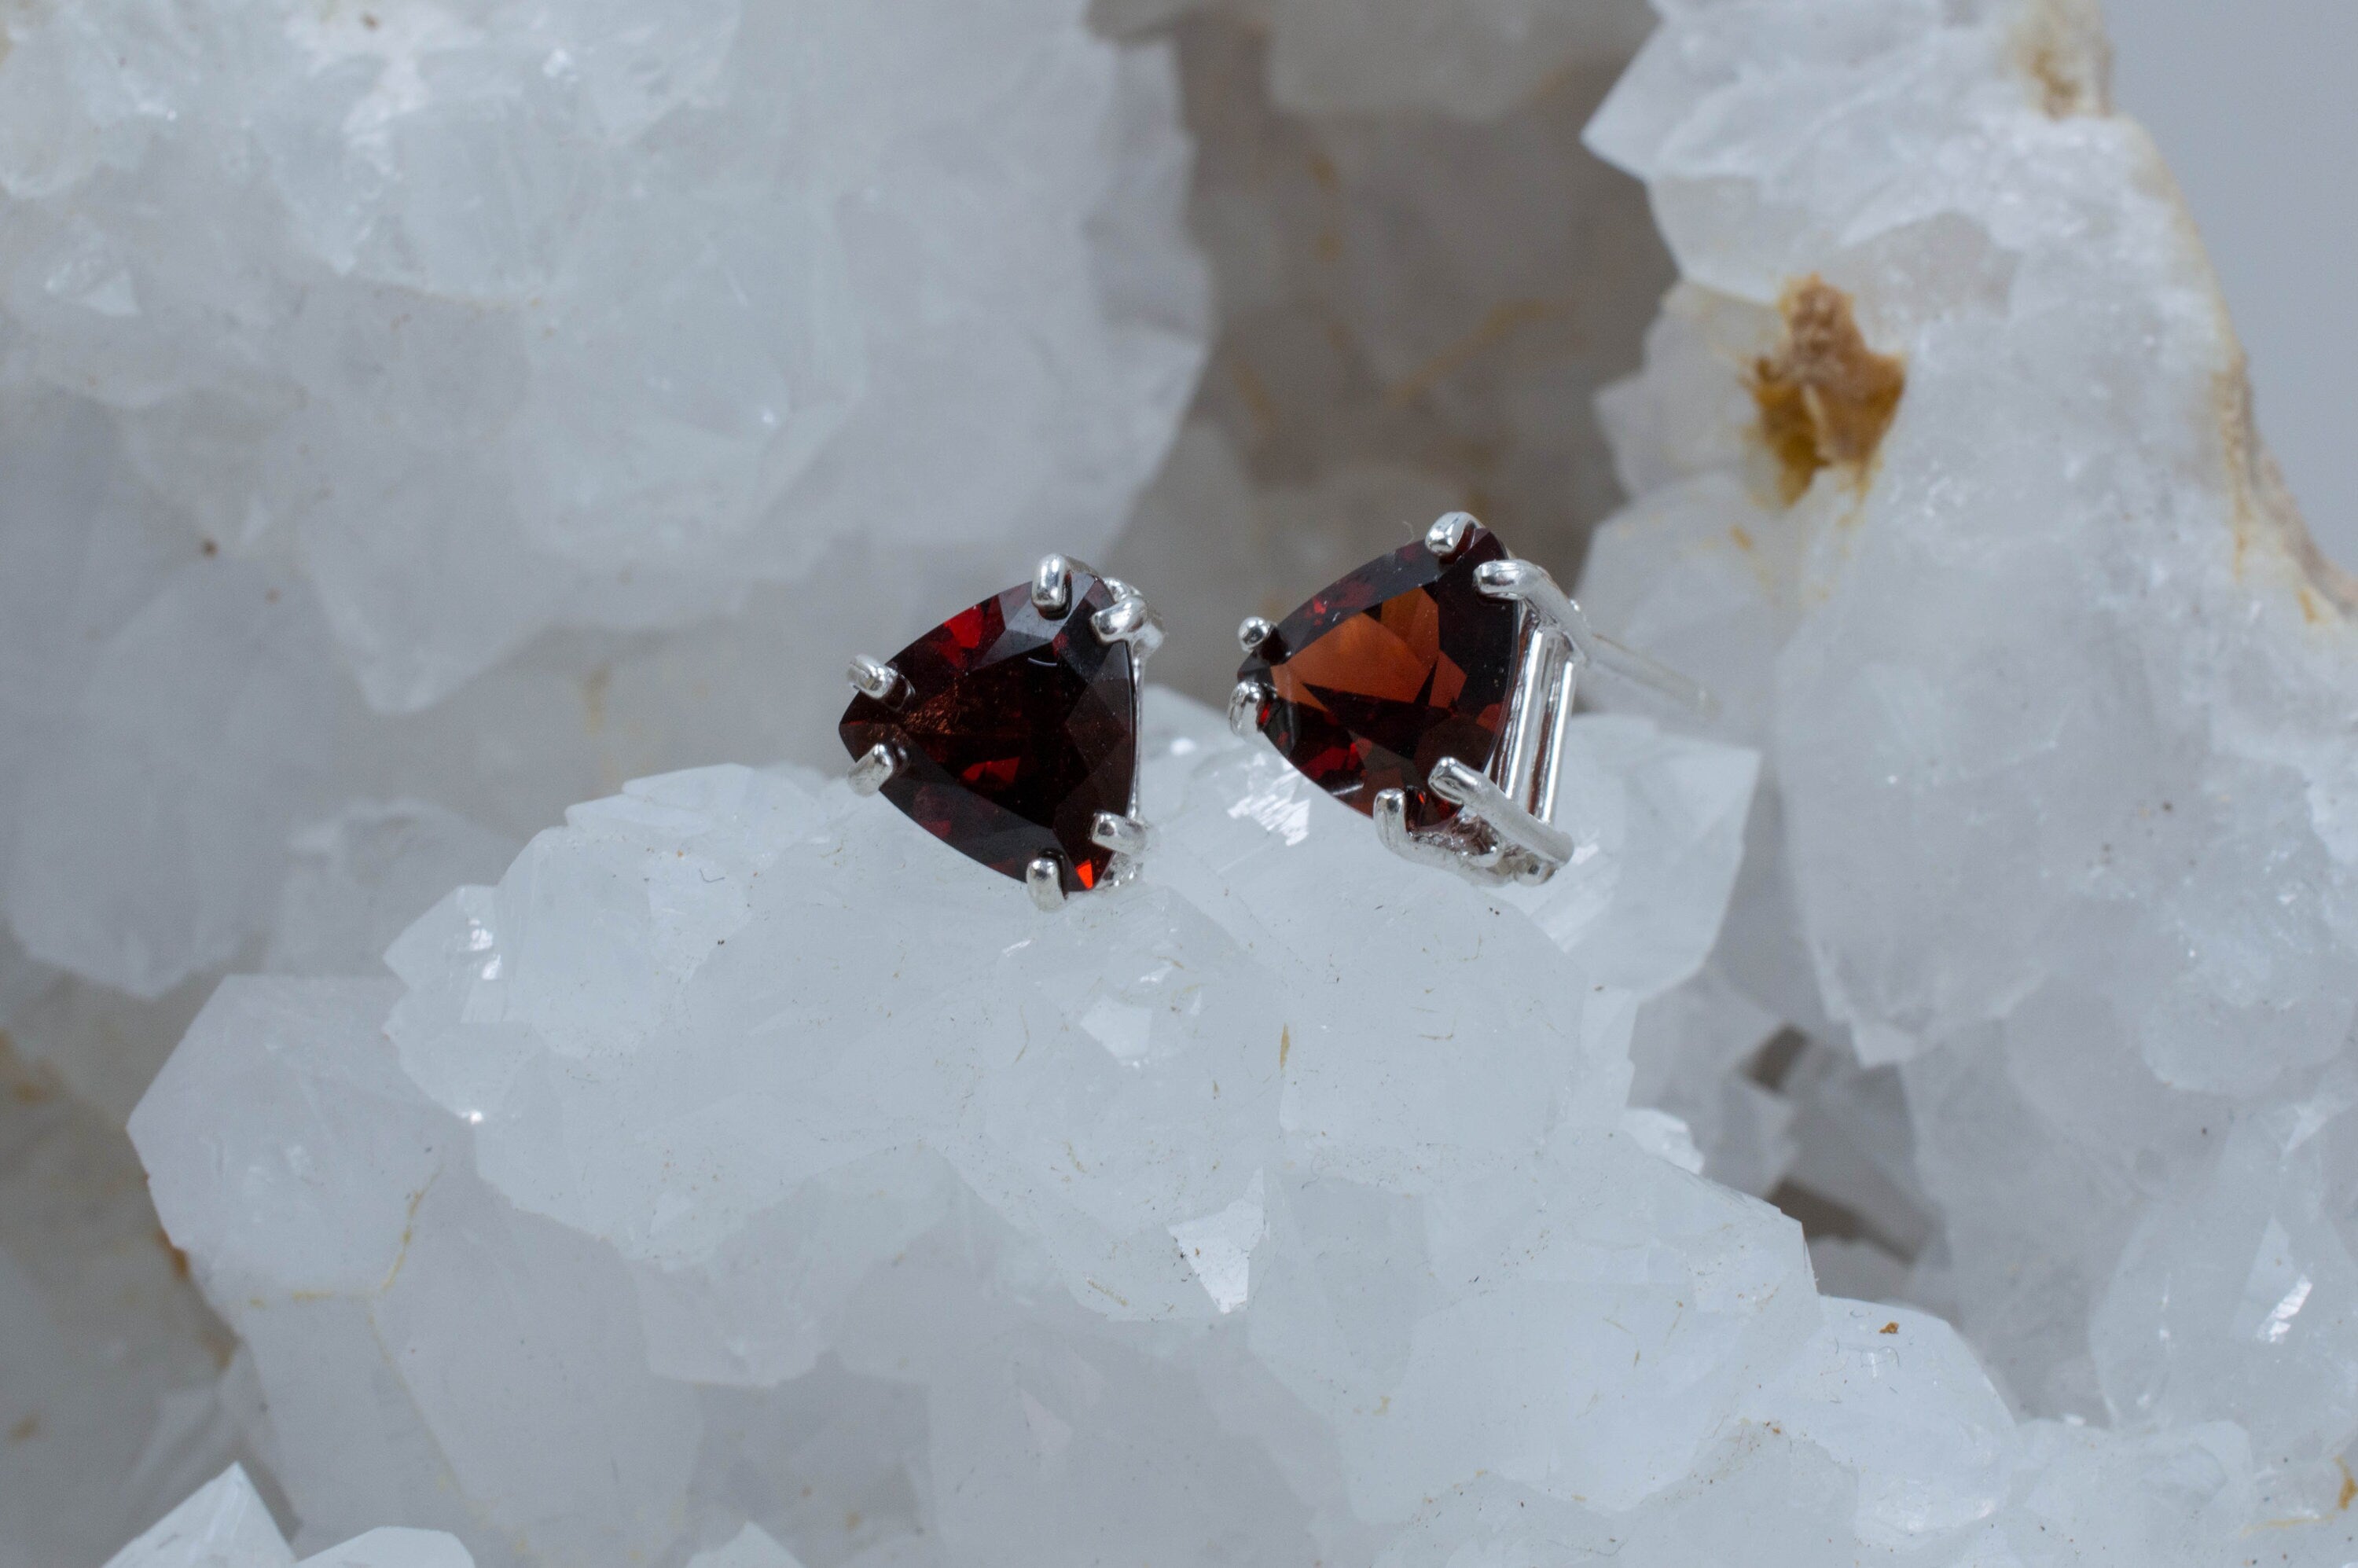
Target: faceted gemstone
<point>1015,729</point>
<point>1386,672</point>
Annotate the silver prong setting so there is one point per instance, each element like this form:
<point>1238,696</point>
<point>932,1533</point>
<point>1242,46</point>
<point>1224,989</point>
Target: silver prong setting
<point>874,677</point>
<point>1244,707</point>
<point>1045,880</point>
<point>1447,535</point>
<point>1128,620</point>
<point>1471,791</point>
<point>874,769</point>
<point>1122,835</point>
<point>1479,866</point>
<point>1526,583</point>
<point>1252,632</point>
<point>1052,585</point>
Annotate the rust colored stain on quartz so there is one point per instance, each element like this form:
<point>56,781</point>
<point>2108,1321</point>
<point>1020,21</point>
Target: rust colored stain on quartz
<point>1824,397</point>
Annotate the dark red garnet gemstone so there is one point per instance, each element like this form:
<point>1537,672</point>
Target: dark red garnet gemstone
<point>1400,664</point>
<point>1015,729</point>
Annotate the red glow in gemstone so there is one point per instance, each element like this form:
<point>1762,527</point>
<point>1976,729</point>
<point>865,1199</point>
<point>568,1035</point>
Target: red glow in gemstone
<point>1388,670</point>
<point>1016,729</point>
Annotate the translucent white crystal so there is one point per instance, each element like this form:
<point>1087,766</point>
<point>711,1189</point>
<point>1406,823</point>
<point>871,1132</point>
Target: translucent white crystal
<point>743,1069</point>
<point>2059,809</point>
<point>108,1359</point>
<point>225,1525</point>
<point>749,1548</point>
<point>1897,1397</point>
<point>357,880</point>
<point>1470,58</point>
<point>344,353</point>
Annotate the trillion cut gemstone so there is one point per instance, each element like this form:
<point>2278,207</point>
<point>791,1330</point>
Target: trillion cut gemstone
<point>1388,670</point>
<point>1014,729</point>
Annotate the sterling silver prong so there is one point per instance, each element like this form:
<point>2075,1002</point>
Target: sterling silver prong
<point>1253,633</point>
<point>1447,535</point>
<point>1128,620</point>
<point>1529,584</point>
<point>1393,833</point>
<point>1472,791</point>
<point>1052,585</point>
<point>1044,877</point>
<point>1122,835</point>
<point>1244,707</point>
<point>874,677</point>
<point>875,769</point>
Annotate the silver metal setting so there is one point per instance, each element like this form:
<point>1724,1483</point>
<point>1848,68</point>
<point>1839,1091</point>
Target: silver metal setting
<point>1128,620</point>
<point>1244,707</point>
<point>1447,535</point>
<point>874,677</point>
<point>875,769</point>
<point>1046,880</point>
<point>1052,585</point>
<point>1504,828</point>
<point>1122,835</point>
<point>1252,633</point>
<point>1531,586</point>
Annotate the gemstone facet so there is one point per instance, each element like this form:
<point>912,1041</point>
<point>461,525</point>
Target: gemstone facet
<point>1012,728</point>
<point>1387,671</point>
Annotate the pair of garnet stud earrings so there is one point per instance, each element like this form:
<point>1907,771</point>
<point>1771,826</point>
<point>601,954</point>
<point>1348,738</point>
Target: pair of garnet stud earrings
<point>1429,689</point>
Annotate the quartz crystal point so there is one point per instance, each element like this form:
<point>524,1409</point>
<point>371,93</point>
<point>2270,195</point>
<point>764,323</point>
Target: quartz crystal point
<point>224,1524</point>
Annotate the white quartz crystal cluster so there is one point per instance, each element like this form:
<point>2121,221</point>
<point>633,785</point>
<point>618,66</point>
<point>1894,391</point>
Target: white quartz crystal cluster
<point>412,419</point>
<point>1947,479</point>
<point>226,1524</point>
<point>746,1156</point>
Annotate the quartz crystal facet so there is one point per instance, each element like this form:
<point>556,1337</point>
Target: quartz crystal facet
<point>1387,671</point>
<point>1013,728</point>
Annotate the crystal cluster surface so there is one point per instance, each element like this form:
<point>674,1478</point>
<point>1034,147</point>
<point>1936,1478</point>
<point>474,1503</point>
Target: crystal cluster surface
<point>226,1524</point>
<point>796,1169</point>
<point>1947,479</point>
<point>415,417</point>
<point>420,417</point>
<point>346,352</point>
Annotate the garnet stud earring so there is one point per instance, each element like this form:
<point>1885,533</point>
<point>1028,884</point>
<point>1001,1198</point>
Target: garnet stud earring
<point>1430,689</point>
<point>1010,732</point>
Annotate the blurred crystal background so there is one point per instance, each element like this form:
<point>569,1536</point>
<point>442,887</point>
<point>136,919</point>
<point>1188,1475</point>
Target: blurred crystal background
<point>2240,99</point>
<point>416,419</point>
